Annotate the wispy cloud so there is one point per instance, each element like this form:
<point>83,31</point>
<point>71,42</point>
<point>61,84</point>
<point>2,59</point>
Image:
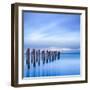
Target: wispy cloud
<point>62,32</point>
<point>55,39</point>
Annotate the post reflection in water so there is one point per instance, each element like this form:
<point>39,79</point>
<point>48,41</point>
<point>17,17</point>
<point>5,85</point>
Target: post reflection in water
<point>27,73</point>
<point>36,59</point>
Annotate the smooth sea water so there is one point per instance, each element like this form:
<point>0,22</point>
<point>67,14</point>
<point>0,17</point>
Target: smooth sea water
<point>68,64</point>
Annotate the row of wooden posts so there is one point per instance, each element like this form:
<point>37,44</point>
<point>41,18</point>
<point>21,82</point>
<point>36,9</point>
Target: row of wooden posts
<point>34,56</point>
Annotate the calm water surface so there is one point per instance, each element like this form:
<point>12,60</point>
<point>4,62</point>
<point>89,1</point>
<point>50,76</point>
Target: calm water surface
<point>68,64</point>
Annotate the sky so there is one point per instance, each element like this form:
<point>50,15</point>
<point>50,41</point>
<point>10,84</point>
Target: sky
<point>51,30</point>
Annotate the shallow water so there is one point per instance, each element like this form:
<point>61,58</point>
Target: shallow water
<point>68,64</point>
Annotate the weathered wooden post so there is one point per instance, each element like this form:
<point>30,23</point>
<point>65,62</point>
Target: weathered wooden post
<point>52,56</point>
<point>43,56</point>
<point>58,55</point>
<point>46,56</point>
<point>28,58</point>
<point>55,54</point>
<point>49,56</point>
<point>38,56</point>
<point>33,58</point>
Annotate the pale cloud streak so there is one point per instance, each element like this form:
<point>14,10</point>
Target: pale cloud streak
<point>56,32</point>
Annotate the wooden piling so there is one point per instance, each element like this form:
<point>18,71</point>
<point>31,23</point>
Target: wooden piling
<point>49,56</point>
<point>28,58</point>
<point>43,56</point>
<point>38,57</point>
<point>58,55</point>
<point>52,56</point>
<point>33,58</point>
<point>46,56</point>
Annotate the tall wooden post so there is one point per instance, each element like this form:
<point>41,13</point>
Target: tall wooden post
<point>33,58</point>
<point>58,55</point>
<point>38,57</point>
<point>43,56</point>
<point>49,56</point>
<point>46,56</point>
<point>55,54</point>
<point>34,61</point>
<point>52,56</point>
<point>28,58</point>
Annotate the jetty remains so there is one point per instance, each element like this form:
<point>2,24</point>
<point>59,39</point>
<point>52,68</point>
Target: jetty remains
<point>35,56</point>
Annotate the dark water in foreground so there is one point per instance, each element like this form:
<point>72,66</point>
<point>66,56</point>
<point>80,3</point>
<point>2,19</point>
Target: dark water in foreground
<point>68,64</point>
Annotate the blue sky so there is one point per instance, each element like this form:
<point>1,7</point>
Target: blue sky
<point>45,30</point>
